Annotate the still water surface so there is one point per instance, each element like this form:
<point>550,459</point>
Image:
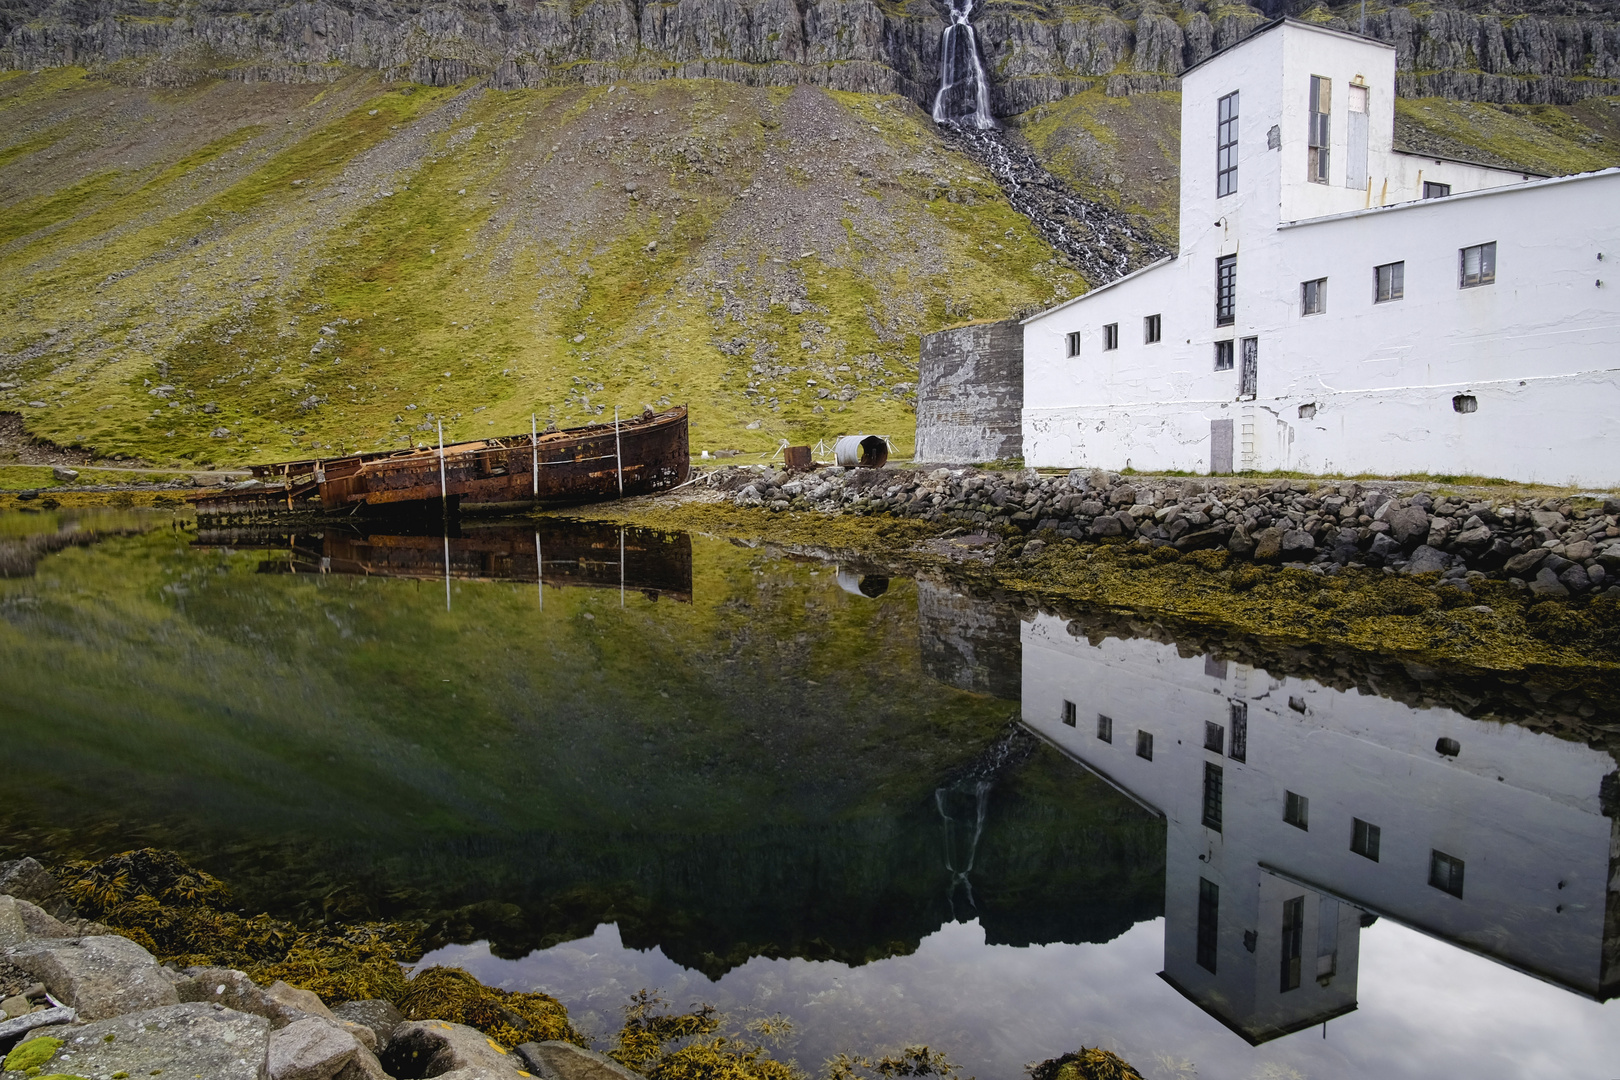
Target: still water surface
<point>887,810</point>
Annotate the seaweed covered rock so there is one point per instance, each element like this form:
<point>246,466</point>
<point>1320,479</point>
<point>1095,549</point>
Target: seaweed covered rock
<point>1084,1064</point>
<point>446,993</point>
<point>644,1040</point>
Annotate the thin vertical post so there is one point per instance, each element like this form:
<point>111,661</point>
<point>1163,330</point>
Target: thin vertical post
<point>618,459</point>
<point>621,566</point>
<point>444,498</point>
<point>447,568</point>
<point>539,574</point>
<point>534,464</point>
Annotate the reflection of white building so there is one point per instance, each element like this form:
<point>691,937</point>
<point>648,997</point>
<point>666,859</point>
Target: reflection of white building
<point>1295,814</point>
<point>1337,305</point>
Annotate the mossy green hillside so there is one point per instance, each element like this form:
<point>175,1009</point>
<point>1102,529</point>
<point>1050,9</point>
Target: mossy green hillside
<point>1545,139</point>
<point>346,267</point>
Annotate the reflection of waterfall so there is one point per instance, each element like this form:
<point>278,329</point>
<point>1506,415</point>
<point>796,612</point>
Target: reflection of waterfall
<point>964,91</point>
<point>962,844</point>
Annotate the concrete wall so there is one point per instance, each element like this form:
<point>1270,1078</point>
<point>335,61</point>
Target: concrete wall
<point>1363,386</point>
<point>970,394</point>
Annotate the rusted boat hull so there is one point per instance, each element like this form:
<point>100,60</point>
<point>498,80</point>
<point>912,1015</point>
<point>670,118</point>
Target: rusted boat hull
<point>641,456</point>
<point>559,554</point>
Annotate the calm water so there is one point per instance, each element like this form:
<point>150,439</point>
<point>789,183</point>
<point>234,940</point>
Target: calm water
<point>889,811</point>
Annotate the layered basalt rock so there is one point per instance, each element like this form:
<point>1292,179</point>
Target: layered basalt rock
<point>1514,53</point>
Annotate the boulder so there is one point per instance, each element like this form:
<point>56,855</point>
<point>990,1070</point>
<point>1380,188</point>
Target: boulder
<point>1426,560</point>
<point>438,1048</point>
<point>1546,583</point>
<point>180,1041</point>
<point>309,1049</point>
<point>1409,523</point>
<point>13,931</point>
<point>287,1004</point>
<point>1575,579</point>
<point>565,1061</point>
<point>1298,542</point>
<point>1521,564</point>
<point>1268,544</point>
<point>26,879</point>
<point>1580,551</point>
<point>99,976</point>
<point>63,475</point>
<point>227,987</point>
<point>12,1031</point>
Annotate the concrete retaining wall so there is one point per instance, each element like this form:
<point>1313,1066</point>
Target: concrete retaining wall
<point>970,394</point>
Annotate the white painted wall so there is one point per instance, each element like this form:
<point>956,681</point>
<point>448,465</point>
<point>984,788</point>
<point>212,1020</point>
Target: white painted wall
<point>1539,349</point>
<point>1520,808</point>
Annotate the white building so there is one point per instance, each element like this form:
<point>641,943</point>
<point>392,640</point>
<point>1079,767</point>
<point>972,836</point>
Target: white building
<point>1338,306</point>
<point>1296,813</point>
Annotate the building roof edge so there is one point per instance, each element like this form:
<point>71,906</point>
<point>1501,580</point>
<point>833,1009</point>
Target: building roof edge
<point>1154,265</point>
<point>1266,28</point>
<point>1505,189</point>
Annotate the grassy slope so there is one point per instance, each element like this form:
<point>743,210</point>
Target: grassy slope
<point>454,244</point>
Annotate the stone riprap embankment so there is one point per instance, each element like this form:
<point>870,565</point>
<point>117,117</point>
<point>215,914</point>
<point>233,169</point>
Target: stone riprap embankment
<point>1553,546</point>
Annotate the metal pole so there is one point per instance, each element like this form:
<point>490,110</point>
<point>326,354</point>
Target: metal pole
<point>1363,30</point>
<point>621,566</point>
<point>447,569</point>
<point>534,465</point>
<point>618,455</point>
<point>539,574</point>
<point>444,496</point>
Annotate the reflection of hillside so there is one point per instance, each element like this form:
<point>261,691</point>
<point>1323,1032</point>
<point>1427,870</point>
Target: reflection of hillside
<point>1297,814</point>
<point>967,642</point>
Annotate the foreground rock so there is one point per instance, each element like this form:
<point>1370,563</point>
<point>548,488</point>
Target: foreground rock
<point>101,977</point>
<point>1552,546</point>
<point>556,1060</point>
<point>180,1041</point>
<point>451,1051</point>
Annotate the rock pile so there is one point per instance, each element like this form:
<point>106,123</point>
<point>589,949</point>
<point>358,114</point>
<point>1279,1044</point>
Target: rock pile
<point>81,1001</point>
<point>1552,547</point>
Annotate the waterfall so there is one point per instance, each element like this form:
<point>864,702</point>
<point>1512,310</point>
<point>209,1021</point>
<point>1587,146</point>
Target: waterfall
<point>964,91</point>
<point>961,844</point>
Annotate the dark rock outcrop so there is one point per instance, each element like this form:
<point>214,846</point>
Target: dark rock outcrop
<point>1514,53</point>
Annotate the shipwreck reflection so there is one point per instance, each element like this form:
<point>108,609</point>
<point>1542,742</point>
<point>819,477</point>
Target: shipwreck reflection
<point>1297,814</point>
<point>558,553</point>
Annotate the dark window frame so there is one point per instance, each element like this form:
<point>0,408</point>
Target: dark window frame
<point>1485,275</point>
<point>1297,810</point>
<point>1071,344</point>
<point>1365,838</point>
<point>1392,289</point>
<point>1225,290</point>
<point>1313,297</point>
<point>1209,918</point>
<point>1238,745</point>
<point>1432,190</point>
<point>1152,329</point>
<point>1226,145</point>
<point>1110,332</point>
<point>1214,795</point>
<point>1225,355</point>
<point>1214,737</point>
<point>1320,137</point>
<point>1293,942</point>
<point>1144,745</point>
<point>1105,728</point>
<point>1446,873</point>
<point>1069,713</point>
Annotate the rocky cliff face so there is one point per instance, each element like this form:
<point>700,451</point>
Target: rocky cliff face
<point>1036,52</point>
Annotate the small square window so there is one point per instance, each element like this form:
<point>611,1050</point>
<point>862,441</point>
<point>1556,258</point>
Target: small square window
<point>1072,343</point>
<point>1144,745</point>
<point>1364,839</point>
<point>1105,728</point>
<point>1150,330</point>
<point>1068,713</point>
<point>1214,738</point>
<point>1446,873</point>
<point>1389,282</point>
<point>1313,296</point>
<point>1297,810</point>
<point>1223,356</point>
<point>1111,337</point>
<point>1478,265</point>
<point>1435,191</point>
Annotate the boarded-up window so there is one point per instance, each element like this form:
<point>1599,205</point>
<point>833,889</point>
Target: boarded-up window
<point>1355,151</point>
<point>1209,910</point>
<point>1220,461</point>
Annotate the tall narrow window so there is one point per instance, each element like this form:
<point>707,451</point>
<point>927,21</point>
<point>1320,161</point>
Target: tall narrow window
<point>1249,374</point>
<point>1226,290</point>
<point>1150,330</point>
<point>1213,781</point>
<point>1209,913</point>
<point>1364,839</point>
<point>1144,745</point>
<point>1446,873</point>
<point>1389,282</point>
<point>1313,296</point>
<point>1226,142</point>
<point>1111,337</point>
<point>1105,728</point>
<point>1321,110</point>
<point>1068,713</point>
<point>1478,265</point>
<point>1239,716</point>
<point>1435,191</point>
<point>1293,935</point>
<point>1297,810</point>
<point>1224,352</point>
<point>1071,342</point>
<point>1214,738</point>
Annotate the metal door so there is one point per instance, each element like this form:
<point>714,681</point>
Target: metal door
<point>1220,446</point>
<point>1248,385</point>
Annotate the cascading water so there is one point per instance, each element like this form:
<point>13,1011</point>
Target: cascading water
<point>1100,241</point>
<point>964,91</point>
<point>961,838</point>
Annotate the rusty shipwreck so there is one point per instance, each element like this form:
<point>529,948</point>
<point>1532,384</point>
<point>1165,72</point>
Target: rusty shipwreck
<point>643,455</point>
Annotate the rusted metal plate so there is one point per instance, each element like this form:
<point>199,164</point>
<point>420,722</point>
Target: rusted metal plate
<point>639,456</point>
<point>798,458</point>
